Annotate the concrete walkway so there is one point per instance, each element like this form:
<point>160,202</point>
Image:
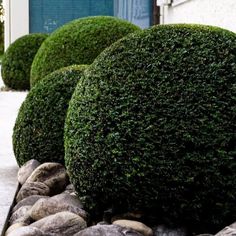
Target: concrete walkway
<point>9,105</point>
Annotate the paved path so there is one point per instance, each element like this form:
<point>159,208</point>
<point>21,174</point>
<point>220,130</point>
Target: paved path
<point>9,105</point>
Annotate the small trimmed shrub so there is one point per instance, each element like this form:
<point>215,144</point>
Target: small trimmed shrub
<point>39,128</point>
<point>78,42</point>
<point>153,124</point>
<point>17,60</point>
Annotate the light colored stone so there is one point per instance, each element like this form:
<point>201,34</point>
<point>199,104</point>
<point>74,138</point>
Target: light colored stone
<point>33,188</point>
<point>14,227</point>
<point>53,175</point>
<point>107,230</point>
<point>27,231</point>
<point>62,223</point>
<point>70,189</point>
<point>102,223</point>
<point>135,225</point>
<point>55,204</point>
<point>28,201</point>
<point>20,215</point>
<point>128,216</point>
<point>227,231</point>
<point>233,225</point>
<point>26,170</point>
<point>27,220</point>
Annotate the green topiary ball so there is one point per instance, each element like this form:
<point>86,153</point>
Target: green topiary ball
<point>78,42</point>
<point>153,124</point>
<point>17,60</point>
<point>39,128</point>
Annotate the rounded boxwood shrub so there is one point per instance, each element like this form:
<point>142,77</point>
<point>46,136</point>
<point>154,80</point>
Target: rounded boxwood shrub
<point>78,42</point>
<point>17,60</point>
<point>39,128</point>
<point>153,124</point>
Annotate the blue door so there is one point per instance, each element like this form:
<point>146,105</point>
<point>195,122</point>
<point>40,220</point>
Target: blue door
<point>47,15</point>
<point>138,12</point>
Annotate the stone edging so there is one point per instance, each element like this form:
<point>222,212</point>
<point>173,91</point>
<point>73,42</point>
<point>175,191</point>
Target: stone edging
<point>45,203</point>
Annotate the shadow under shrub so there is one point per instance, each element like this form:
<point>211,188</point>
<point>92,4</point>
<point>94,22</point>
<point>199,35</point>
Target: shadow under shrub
<point>39,128</point>
<point>78,42</point>
<point>17,60</point>
<point>153,124</point>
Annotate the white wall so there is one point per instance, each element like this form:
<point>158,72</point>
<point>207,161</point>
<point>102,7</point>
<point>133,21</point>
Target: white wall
<point>16,20</point>
<point>211,12</point>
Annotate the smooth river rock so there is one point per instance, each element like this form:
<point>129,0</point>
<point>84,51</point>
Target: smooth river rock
<point>135,225</point>
<point>128,216</point>
<point>32,188</point>
<point>58,203</point>
<point>62,223</point>
<point>107,230</point>
<point>28,201</point>
<point>70,189</point>
<point>21,215</point>
<point>53,175</point>
<point>26,170</point>
<point>233,225</point>
<point>14,227</point>
<point>27,231</point>
<point>227,231</point>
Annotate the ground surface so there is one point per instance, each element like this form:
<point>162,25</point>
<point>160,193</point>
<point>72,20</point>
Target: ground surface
<point>9,105</point>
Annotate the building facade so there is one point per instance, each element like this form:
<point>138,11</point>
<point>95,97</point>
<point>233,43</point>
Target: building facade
<point>31,16</point>
<point>220,13</point>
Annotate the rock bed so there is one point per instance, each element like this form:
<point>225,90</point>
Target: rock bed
<point>46,205</point>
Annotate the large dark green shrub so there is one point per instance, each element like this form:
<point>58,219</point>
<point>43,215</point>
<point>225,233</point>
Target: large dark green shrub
<point>78,42</point>
<point>153,124</point>
<point>39,128</point>
<point>17,60</point>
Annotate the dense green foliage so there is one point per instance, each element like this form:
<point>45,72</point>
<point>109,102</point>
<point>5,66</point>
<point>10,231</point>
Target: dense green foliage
<point>153,124</point>
<point>39,128</point>
<point>78,42</point>
<point>17,60</point>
